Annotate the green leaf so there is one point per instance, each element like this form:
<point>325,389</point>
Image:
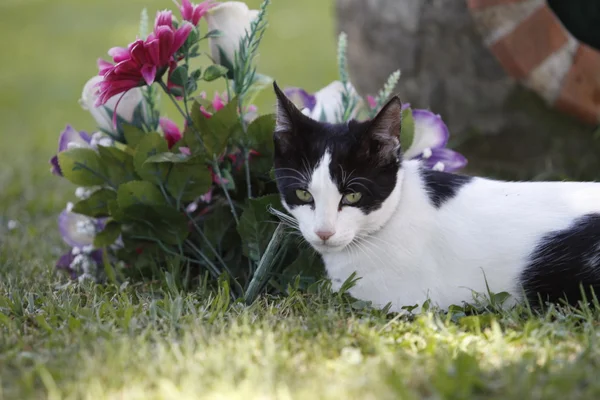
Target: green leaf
<point>151,145</point>
<point>176,91</point>
<point>108,235</point>
<point>213,72</point>
<point>118,165</point>
<point>215,131</point>
<point>82,167</point>
<point>133,135</point>
<point>115,212</point>
<point>97,204</point>
<point>256,225</point>
<point>168,157</point>
<point>260,134</point>
<point>161,222</point>
<point>190,180</point>
<point>215,33</point>
<point>216,225</point>
<point>139,193</point>
<point>407,132</point>
<point>179,76</point>
<point>226,62</point>
<point>196,74</point>
<point>307,264</point>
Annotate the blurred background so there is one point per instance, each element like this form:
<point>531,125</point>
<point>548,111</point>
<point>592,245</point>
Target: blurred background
<point>517,81</point>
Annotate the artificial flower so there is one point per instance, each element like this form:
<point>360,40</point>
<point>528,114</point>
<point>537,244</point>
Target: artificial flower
<point>80,264</point>
<point>69,138</point>
<point>131,100</point>
<point>324,105</point>
<point>194,12</point>
<point>232,19</point>
<point>78,230</point>
<point>143,61</point>
<point>220,100</point>
<point>171,131</point>
<point>429,143</point>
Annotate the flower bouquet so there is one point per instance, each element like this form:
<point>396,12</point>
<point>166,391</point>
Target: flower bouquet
<point>196,196</point>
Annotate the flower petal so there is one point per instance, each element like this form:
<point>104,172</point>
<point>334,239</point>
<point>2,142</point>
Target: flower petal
<point>78,230</point>
<point>55,166</point>
<point>217,102</point>
<point>301,98</point>
<point>430,132</point>
<point>164,18</point>
<point>181,36</point>
<point>444,160</point>
<point>149,73</point>
<point>171,131</point>
<point>70,138</point>
<point>64,263</point>
<point>119,54</point>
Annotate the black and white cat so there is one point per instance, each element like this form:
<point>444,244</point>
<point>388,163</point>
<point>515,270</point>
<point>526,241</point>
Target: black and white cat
<point>413,234</point>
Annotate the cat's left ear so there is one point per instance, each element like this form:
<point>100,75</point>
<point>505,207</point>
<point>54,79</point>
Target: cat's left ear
<point>384,130</point>
<point>287,113</point>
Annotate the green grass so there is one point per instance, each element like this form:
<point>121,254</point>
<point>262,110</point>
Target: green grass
<point>154,341</point>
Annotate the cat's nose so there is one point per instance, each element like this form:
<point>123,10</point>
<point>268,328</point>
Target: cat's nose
<point>325,234</point>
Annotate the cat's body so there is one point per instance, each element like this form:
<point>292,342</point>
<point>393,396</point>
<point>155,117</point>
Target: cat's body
<point>485,227</point>
<point>413,234</point>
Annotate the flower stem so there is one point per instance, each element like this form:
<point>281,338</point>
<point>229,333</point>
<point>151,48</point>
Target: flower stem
<point>214,164</point>
<point>185,114</point>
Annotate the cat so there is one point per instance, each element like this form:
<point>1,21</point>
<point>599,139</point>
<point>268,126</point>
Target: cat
<point>414,234</point>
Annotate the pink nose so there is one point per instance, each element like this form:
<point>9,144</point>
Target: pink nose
<point>324,235</point>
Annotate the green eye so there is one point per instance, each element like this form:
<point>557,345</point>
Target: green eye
<point>352,198</point>
<point>304,195</point>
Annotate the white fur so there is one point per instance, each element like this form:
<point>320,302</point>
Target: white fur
<point>408,251</point>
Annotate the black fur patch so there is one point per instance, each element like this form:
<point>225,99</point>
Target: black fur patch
<point>442,186</point>
<point>564,263</point>
<point>362,158</point>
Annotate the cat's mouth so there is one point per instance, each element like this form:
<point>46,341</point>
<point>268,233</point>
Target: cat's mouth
<point>328,248</point>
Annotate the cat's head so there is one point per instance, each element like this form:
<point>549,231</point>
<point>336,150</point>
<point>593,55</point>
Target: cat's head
<point>337,180</point>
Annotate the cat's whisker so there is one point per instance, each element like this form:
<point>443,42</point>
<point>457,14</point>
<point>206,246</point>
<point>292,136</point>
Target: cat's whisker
<point>360,185</point>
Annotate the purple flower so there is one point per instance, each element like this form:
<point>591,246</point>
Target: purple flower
<point>326,104</point>
<point>79,264</point>
<point>429,143</point>
<point>69,139</point>
<point>78,230</point>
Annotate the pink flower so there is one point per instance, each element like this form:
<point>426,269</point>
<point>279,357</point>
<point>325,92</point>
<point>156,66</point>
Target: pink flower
<point>372,102</point>
<point>194,12</point>
<point>171,131</point>
<point>143,61</point>
<point>218,103</point>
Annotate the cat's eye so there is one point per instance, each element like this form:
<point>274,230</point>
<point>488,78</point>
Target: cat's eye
<point>352,198</point>
<point>304,195</point>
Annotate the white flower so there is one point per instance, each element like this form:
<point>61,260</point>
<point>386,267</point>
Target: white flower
<point>233,19</point>
<point>12,224</point>
<point>326,104</point>
<point>127,105</point>
<point>100,139</point>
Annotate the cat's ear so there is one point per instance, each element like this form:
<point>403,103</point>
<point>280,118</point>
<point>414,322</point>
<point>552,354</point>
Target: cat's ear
<point>287,113</point>
<point>384,130</point>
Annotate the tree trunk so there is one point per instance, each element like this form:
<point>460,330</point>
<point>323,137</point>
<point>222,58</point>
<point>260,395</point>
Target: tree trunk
<point>502,128</point>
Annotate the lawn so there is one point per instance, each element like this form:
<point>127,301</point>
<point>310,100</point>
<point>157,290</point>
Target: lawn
<point>154,340</point>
